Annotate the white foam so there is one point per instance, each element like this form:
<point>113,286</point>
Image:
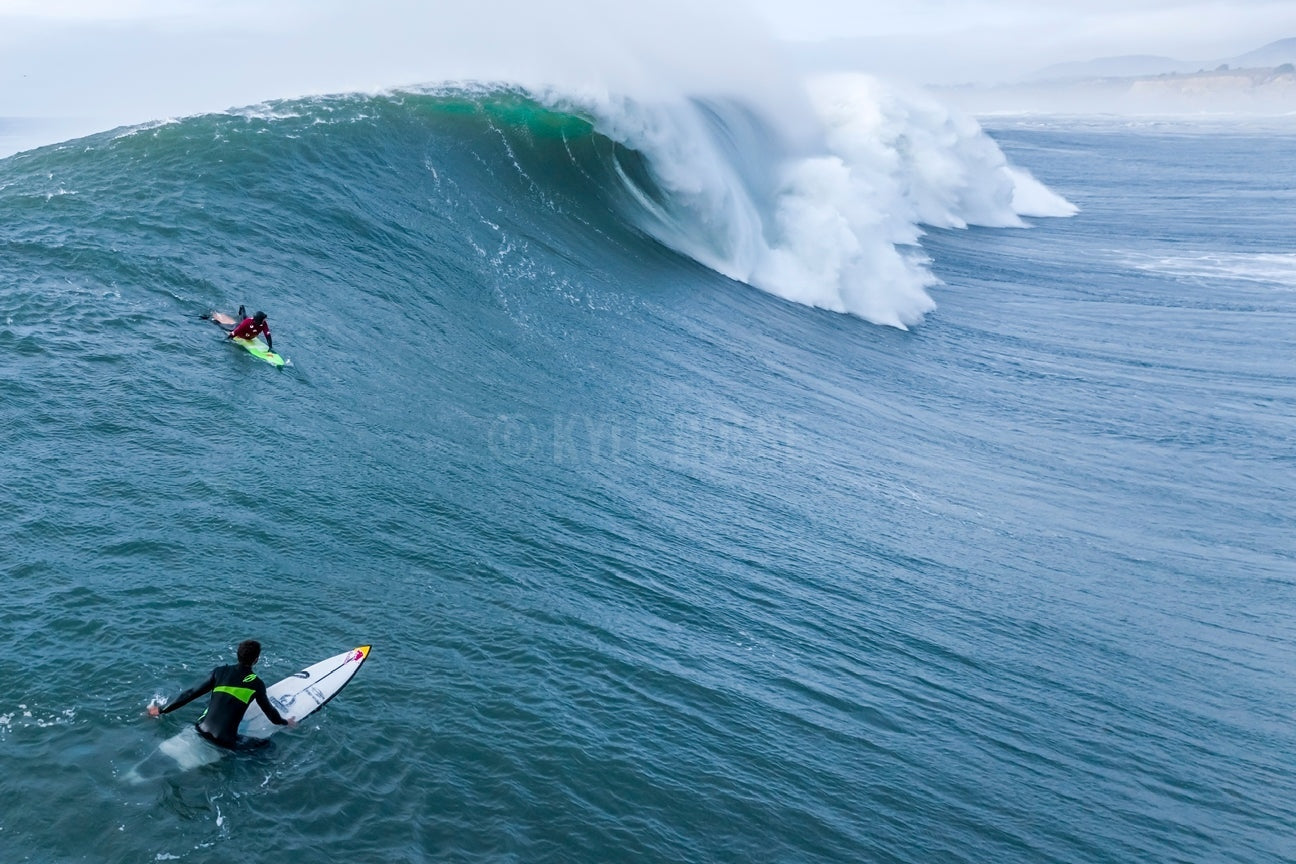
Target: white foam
<point>24,717</point>
<point>1033,198</point>
<point>830,219</point>
<point>1269,268</point>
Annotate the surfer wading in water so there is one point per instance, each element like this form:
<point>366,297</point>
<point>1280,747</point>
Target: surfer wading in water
<point>233,688</point>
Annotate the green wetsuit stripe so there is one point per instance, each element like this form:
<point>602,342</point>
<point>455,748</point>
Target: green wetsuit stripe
<point>243,694</point>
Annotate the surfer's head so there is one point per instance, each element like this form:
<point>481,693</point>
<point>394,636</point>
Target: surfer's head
<point>249,651</point>
<point>259,317</point>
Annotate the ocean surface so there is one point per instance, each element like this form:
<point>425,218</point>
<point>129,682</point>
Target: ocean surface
<point>871,509</point>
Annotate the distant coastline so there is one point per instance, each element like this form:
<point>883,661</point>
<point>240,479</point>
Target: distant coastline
<point>1257,83</point>
<point>1223,91</point>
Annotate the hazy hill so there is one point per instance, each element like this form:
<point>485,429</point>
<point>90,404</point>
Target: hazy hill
<point>1258,83</point>
<point>1273,54</point>
<point>1255,92</point>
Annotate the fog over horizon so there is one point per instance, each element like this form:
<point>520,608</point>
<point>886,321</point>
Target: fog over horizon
<point>998,41</point>
<point>93,66</point>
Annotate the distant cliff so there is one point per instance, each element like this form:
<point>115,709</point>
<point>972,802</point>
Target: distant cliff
<point>1224,90</point>
<point>1259,82</point>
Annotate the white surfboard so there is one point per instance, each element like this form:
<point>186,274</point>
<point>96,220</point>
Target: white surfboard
<point>300,695</point>
<point>295,697</point>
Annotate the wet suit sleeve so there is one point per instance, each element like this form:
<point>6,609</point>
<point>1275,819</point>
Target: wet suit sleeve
<point>269,341</point>
<point>264,701</point>
<point>192,693</point>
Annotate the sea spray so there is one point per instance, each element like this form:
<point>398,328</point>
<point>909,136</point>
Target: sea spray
<point>835,223</point>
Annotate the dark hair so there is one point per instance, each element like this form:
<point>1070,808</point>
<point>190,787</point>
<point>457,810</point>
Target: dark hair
<point>249,651</point>
<point>259,317</point>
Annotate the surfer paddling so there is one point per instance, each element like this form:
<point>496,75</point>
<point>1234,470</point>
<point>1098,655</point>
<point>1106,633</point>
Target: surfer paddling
<point>233,689</point>
<point>245,328</point>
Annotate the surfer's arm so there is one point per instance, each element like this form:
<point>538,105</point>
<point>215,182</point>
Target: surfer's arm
<point>191,694</point>
<point>269,341</point>
<point>272,714</point>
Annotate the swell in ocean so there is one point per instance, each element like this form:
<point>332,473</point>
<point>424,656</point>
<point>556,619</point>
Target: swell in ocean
<point>656,566</point>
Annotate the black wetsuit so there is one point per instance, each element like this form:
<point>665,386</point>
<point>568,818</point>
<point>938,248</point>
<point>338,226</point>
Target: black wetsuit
<point>233,688</point>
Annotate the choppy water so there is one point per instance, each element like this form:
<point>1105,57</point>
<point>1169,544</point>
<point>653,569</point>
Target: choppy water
<point>656,566</point>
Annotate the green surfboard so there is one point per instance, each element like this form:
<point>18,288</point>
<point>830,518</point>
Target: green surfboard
<point>258,349</point>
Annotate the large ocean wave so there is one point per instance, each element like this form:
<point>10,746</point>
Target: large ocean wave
<point>813,189</point>
<point>822,203</point>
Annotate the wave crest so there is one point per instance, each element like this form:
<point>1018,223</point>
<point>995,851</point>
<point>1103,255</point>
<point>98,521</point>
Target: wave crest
<point>834,224</point>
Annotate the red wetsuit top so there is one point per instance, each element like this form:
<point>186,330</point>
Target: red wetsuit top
<point>248,328</point>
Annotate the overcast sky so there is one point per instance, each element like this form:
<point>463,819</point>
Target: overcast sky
<point>134,60</point>
<point>982,40</point>
<point>1104,26</point>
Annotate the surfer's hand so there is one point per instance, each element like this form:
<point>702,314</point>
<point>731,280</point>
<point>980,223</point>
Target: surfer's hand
<point>154,710</point>
<point>292,724</point>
